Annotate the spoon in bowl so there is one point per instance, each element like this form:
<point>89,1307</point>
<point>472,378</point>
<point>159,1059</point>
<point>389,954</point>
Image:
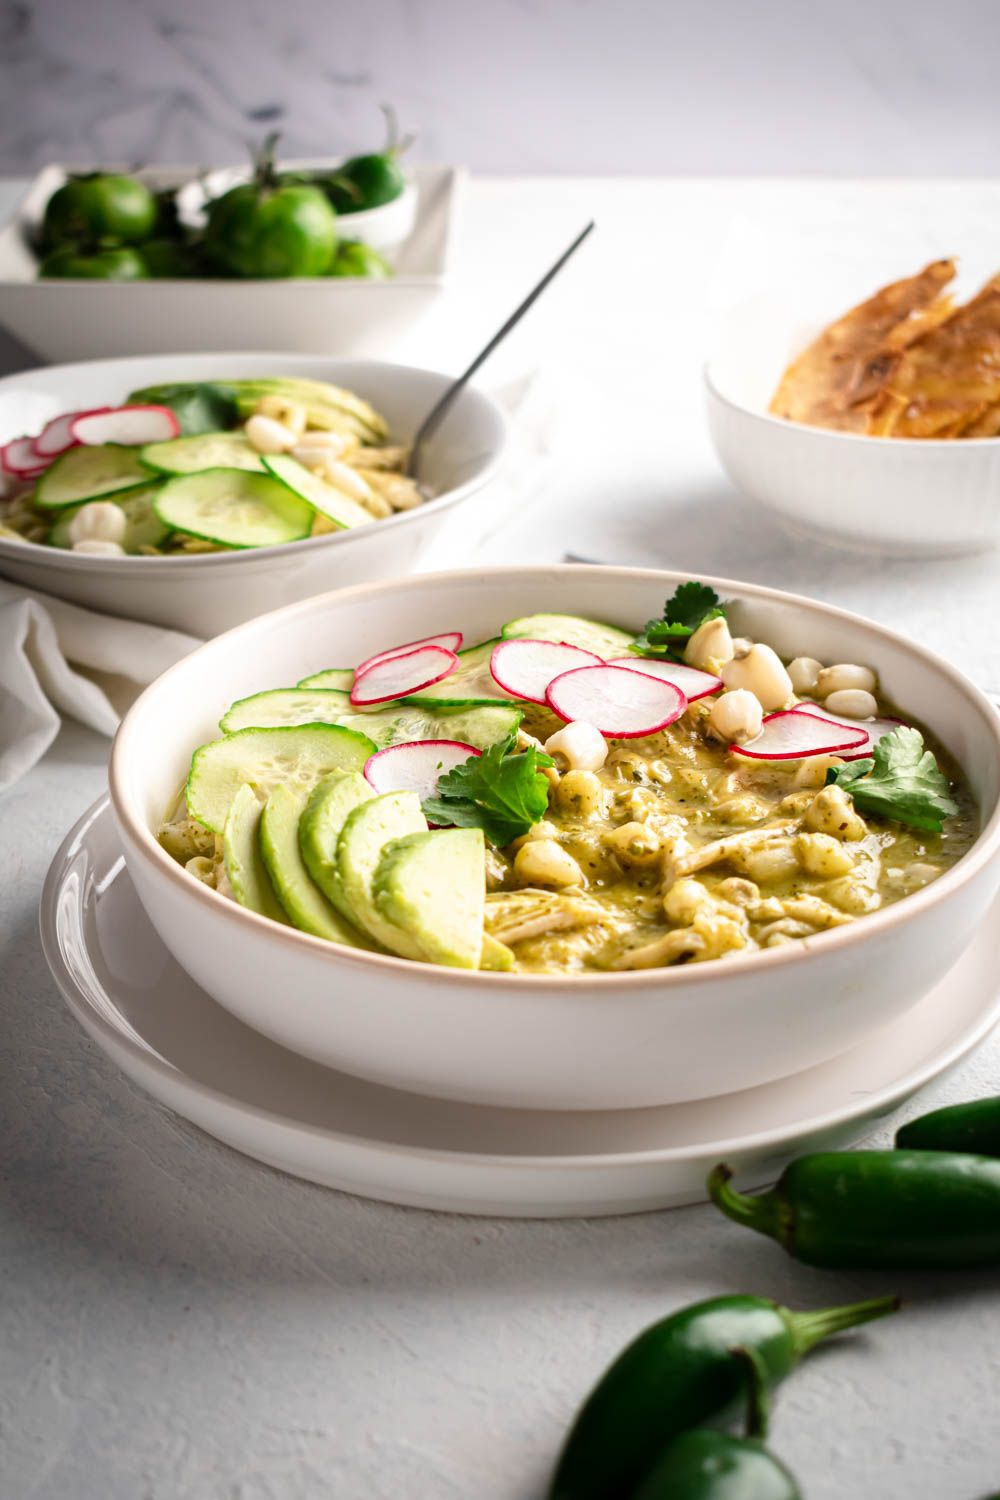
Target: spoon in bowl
<point>440,409</point>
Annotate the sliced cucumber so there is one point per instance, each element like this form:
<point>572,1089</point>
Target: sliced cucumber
<point>470,684</point>
<point>591,635</point>
<point>332,503</point>
<point>264,758</point>
<point>480,726</point>
<point>209,450</point>
<point>143,527</point>
<point>245,869</point>
<point>306,906</point>
<point>233,507</point>
<point>96,473</point>
<point>341,678</point>
<point>286,706</point>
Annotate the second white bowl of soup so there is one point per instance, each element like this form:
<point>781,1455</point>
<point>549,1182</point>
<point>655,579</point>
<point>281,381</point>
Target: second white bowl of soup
<point>729,918</point>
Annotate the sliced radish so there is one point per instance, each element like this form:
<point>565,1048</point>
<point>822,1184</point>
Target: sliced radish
<point>450,641</point>
<point>621,703</point>
<point>401,675</point>
<point>876,729</point>
<point>525,668</point>
<point>692,683</point>
<point>416,766</point>
<point>792,734</point>
<point>20,458</point>
<point>56,436</point>
<point>129,425</point>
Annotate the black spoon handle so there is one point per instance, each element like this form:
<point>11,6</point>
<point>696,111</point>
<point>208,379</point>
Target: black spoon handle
<point>438,412</point>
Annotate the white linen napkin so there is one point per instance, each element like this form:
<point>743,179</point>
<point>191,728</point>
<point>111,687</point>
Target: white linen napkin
<point>112,659</point>
<point>39,637</point>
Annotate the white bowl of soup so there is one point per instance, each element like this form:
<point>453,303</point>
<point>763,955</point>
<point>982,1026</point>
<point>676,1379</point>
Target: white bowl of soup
<point>201,587</point>
<point>631,995</point>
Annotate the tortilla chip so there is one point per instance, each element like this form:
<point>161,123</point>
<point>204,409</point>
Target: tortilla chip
<point>950,377</point>
<point>847,366</point>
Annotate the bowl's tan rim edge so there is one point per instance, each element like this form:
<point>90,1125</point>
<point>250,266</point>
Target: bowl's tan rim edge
<point>983,850</point>
<point>73,562</point>
<point>93,1022</point>
<point>895,445</point>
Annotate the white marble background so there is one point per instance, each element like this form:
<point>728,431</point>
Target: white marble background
<point>863,87</point>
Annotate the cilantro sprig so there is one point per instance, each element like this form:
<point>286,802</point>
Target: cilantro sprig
<point>501,793</point>
<point>690,605</point>
<point>901,780</point>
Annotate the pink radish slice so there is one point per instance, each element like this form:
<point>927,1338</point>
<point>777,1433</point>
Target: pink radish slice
<point>129,425</point>
<point>525,668</point>
<point>450,641</point>
<point>401,675</point>
<point>692,683</point>
<point>876,729</point>
<point>621,703</point>
<point>416,766</point>
<point>57,436</point>
<point>792,734</point>
<point>20,459</point>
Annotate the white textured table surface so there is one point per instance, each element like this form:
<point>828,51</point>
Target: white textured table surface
<point>176,1321</point>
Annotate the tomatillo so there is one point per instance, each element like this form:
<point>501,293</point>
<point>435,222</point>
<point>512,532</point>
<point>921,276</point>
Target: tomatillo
<point>122,264</point>
<point>264,228</point>
<point>99,206</point>
<point>355,259</point>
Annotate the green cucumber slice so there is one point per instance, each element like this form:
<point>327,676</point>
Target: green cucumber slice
<point>480,726</point>
<point>341,678</point>
<point>264,758</point>
<point>320,827</point>
<point>209,450</point>
<point>233,507</point>
<point>366,831</point>
<point>333,503</point>
<point>432,886</point>
<point>143,527</point>
<point>306,906</point>
<point>286,706</point>
<point>470,684</point>
<point>591,635</point>
<point>90,473</point>
<point>245,869</point>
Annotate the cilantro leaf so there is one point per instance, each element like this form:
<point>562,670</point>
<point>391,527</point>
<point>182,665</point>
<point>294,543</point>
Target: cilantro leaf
<point>500,793</point>
<point>901,780</point>
<point>690,605</point>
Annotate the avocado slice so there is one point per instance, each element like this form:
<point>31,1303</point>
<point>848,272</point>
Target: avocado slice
<point>496,955</point>
<point>433,886</point>
<point>245,869</point>
<point>366,832</point>
<point>320,828</point>
<point>305,904</point>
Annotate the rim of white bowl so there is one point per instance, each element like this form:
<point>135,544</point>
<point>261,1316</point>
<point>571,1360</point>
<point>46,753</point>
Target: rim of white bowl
<point>897,445</point>
<point>985,848</point>
<point>93,1019</point>
<point>59,557</point>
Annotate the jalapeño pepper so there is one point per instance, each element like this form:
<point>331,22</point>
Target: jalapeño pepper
<point>680,1373</point>
<point>971,1127</point>
<point>892,1209</point>
<point>707,1465</point>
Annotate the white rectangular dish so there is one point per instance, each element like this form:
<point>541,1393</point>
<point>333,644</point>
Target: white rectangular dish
<point>67,320</point>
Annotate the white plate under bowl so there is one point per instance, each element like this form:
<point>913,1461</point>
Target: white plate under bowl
<point>168,1036</point>
<point>65,320</point>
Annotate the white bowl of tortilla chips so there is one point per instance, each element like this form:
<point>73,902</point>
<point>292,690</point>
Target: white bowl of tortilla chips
<point>878,431</point>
